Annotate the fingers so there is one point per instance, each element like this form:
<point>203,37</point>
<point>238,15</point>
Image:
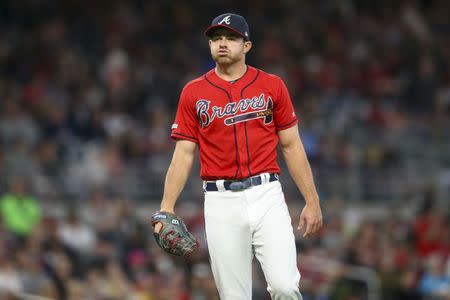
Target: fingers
<point>157,227</point>
<point>312,226</point>
<point>309,230</point>
<point>302,223</point>
<point>317,225</point>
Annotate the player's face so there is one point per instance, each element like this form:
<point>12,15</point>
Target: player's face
<point>228,47</point>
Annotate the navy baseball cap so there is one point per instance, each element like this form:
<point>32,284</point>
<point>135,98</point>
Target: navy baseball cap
<point>231,21</point>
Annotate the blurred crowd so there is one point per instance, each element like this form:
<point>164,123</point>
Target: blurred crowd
<point>88,92</point>
<point>104,250</point>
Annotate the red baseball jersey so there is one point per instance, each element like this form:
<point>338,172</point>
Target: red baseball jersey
<point>234,124</point>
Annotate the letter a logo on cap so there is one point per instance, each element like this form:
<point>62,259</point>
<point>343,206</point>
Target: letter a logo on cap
<point>225,20</point>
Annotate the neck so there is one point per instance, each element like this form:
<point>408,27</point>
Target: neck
<point>231,72</point>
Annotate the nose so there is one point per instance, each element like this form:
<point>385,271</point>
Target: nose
<point>222,42</point>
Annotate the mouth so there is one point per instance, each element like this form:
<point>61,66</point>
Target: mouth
<point>222,52</point>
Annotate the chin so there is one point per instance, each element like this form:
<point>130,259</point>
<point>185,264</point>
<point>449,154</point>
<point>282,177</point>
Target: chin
<point>223,60</point>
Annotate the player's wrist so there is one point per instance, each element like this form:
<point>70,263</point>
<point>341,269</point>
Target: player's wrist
<point>167,209</point>
<point>312,202</point>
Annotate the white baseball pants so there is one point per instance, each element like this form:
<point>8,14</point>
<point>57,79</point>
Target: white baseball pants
<point>254,221</point>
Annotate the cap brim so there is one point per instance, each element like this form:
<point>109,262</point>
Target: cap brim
<point>212,28</point>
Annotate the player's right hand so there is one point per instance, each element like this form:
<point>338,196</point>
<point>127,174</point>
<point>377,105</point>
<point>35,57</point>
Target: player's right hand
<point>157,227</point>
<point>173,236</point>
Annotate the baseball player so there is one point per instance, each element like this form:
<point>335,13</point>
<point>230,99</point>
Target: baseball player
<point>237,115</point>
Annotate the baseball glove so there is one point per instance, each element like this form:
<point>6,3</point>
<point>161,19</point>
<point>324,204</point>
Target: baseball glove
<point>174,237</point>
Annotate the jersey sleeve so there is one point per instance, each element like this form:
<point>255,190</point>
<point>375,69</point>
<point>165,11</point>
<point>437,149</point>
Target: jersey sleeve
<point>284,114</point>
<point>185,126</point>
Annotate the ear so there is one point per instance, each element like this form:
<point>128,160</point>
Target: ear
<point>247,46</point>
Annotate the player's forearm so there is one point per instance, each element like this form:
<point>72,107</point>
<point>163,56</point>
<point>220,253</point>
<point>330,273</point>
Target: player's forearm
<point>300,170</point>
<point>176,177</point>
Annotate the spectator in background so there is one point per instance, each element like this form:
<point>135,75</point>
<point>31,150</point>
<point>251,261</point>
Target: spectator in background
<point>202,284</point>
<point>76,235</point>
<point>430,228</point>
<point>10,281</point>
<point>20,211</point>
<point>435,283</point>
<point>408,286</point>
<point>31,271</point>
<point>16,123</point>
<point>102,214</point>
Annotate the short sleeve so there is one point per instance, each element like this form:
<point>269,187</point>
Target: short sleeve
<point>185,126</point>
<point>284,113</point>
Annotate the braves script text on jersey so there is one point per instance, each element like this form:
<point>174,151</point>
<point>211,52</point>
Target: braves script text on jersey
<point>234,124</point>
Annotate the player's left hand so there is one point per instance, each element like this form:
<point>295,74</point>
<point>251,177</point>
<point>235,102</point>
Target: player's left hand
<point>311,218</point>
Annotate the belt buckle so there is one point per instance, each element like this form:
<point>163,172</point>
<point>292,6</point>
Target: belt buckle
<point>241,185</point>
<point>237,185</point>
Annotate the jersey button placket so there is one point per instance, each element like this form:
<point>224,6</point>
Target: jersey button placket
<point>241,143</point>
<point>234,95</point>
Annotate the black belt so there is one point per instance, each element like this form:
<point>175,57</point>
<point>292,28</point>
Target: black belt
<point>236,185</point>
